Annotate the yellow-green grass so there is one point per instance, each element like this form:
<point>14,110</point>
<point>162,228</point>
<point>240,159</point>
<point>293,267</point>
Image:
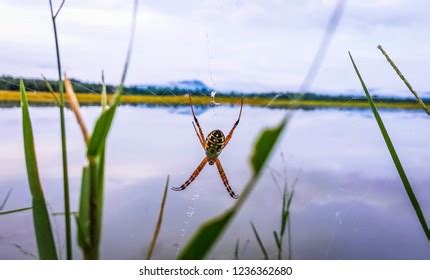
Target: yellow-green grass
<point>91,98</point>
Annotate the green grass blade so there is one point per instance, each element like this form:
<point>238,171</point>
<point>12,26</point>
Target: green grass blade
<point>208,233</point>
<point>83,219</point>
<point>159,222</point>
<point>260,243</point>
<point>277,240</point>
<point>102,127</point>
<point>51,90</point>
<point>286,210</point>
<point>205,237</point>
<point>73,213</point>
<point>100,191</point>
<point>67,220</point>
<point>263,147</point>
<point>96,156</point>
<point>42,224</point>
<point>236,250</point>
<point>15,211</point>
<point>405,81</point>
<point>394,156</point>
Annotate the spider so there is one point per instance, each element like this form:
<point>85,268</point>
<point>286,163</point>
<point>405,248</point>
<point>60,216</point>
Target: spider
<point>213,145</point>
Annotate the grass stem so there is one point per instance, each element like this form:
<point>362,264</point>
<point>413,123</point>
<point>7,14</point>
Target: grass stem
<point>405,81</point>
<point>159,222</point>
<point>394,155</point>
<point>63,138</point>
<point>260,243</point>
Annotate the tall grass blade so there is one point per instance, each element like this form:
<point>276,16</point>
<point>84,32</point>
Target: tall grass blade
<point>260,243</point>
<point>93,185</point>
<point>286,210</point>
<point>405,81</point>
<point>159,222</point>
<point>83,218</point>
<point>51,90</point>
<point>42,224</point>
<point>208,233</point>
<point>394,155</point>
<point>14,211</point>
<point>67,216</point>
<point>236,250</point>
<point>277,240</point>
<point>264,146</point>
<point>102,127</point>
<point>324,44</point>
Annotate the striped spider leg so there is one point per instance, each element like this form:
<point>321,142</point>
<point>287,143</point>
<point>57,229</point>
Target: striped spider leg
<point>230,134</point>
<point>225,180</point>
<point>213,145</point>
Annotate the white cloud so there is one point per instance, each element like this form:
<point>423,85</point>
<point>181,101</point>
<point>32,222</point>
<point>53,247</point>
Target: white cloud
<point>247,45</point>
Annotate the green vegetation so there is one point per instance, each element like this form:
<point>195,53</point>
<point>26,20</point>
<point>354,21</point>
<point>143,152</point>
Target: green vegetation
<point>159,221</point>
<point>11,98</point>
<point>285,214</point>
<point>259,242</point>
<point>89,219</point>
<point>405,81</point>
<point>60,103</point>
<point>395,157</point>
<point>284,221</point>
<point>42,224</point>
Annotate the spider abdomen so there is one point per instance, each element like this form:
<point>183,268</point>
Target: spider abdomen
<point>214,144</point>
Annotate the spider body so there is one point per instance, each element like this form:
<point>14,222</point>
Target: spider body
<point>215,142</point>
<point>213,145</point>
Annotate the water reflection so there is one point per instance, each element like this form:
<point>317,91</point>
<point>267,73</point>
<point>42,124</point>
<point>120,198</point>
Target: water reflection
<point>349,201</point>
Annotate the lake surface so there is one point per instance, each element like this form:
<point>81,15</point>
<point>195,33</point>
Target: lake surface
<point>349,202</point>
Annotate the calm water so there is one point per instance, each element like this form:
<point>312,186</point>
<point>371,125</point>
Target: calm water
<point>349,201</point>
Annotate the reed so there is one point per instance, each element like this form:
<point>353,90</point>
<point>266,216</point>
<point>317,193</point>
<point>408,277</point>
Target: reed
<point>42,224</point>
<point>60,101</point>
<point>394,156</point>
<point>159,222</point>
<point>89,220</point>
<point>287,197</point>
<point>259,242</point>
<point>405,81</point>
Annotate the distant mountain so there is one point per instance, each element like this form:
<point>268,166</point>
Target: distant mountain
<point>191,85</point>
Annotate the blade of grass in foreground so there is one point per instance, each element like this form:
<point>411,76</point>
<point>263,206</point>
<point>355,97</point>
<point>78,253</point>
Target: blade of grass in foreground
<point>405,81</point>
<point>42,224</point>
<point>89,221</point>
<point>260,243</point>
<point>159,221</point>
<point>15,211</point>
<point>68,231</point>
<point>51,90</point>
<point>206,236</point>
<point>236,250</point>
<point>394,155</point>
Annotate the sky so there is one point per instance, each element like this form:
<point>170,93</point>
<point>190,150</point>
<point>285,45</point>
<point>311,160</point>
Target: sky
<point>258,45</point>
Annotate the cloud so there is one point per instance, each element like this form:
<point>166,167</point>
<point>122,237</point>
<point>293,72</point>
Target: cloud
<point>232,45</point>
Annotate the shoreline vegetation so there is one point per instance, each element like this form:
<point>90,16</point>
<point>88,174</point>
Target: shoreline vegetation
<point>89,94</point>
<point>263,100</point>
